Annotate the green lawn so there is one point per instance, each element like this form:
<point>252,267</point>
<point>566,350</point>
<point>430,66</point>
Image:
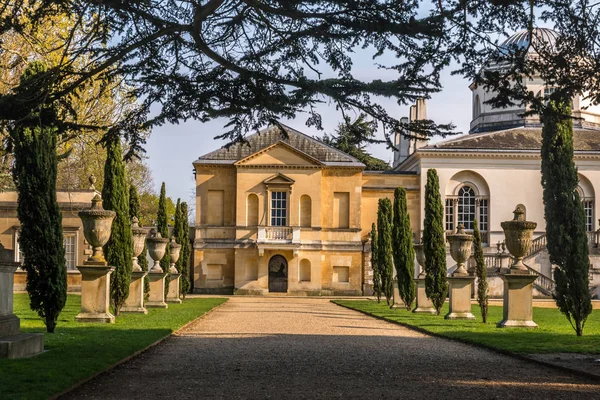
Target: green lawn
<point>553,335</point>
<point>78,350</point>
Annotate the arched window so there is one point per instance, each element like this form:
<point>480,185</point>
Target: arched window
<point>304,271</point>
<point>466,206</point>
<point>305,211</point>
<point>252,210</point>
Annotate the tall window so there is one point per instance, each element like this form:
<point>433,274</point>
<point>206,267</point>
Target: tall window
<point>588,207</point>
<point>466,207</point>
<point>278,208</point>
<point>449,214</point>
<point>70,254</point>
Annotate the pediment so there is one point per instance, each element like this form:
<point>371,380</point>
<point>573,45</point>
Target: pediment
<point>280,153</point>
<point>278,179</point>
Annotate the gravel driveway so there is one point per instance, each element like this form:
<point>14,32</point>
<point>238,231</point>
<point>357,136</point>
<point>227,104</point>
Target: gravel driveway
<point>290,348</point>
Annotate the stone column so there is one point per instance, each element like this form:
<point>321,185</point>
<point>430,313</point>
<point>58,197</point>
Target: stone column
<point>135,301</point>
<point>423,304</point>
<point>13,343</point>
<point>95,294</point>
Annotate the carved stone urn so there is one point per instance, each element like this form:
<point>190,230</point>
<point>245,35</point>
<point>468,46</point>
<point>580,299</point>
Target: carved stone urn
<point>97,223</point>
<point>420,253</point>
<point>519,236</point>
<point>139,240</point>
<point>460,249</point>
<point>157,246</point>
<point>174,250</point>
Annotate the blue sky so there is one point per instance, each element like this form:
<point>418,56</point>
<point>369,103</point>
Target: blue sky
<point>171,149</point>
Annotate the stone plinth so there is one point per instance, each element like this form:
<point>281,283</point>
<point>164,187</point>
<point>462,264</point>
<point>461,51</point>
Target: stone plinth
<point>95,293</point>
<point>518,299</point>
<point>135,301</point>
<point>13,343</point>
<point>424,305</point>
<point>173,293</point>
<point>156,297</point>
<point>460,297</point>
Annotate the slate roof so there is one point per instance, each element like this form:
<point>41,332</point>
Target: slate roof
<point>516,139</point>
<point>271,135</point>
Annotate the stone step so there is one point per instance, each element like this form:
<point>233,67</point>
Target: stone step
<point>21,345</point>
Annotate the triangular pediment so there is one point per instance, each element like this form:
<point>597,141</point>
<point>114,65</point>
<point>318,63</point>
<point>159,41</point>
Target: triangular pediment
<point>280,153</point>
<point>278,179</point>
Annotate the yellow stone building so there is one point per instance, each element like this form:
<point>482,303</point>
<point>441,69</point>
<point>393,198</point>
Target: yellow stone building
<point>285,213</point>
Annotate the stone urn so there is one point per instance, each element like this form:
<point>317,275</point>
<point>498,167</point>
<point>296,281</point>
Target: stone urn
<point>460,249</point>
<point>97,223</point>
<point>174,250</point>
<point>139,240</point>
<point>157,246</point>
<point>420,253</point>
<point>519,236</point>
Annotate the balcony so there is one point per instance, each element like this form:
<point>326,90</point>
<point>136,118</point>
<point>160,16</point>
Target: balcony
<point>278,238</point>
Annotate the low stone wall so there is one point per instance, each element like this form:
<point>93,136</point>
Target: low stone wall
<point>73,281</point>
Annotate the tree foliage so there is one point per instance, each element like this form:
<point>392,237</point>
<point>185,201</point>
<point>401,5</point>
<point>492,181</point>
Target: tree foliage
<point>186,251</point>
<point>375,263</point>
<point>134,211</point>
<point>565,217</point>
<point>352,138</point>
<point>480,272</point>
<point>434,245</point>
<point>119,248</point>
<point>162,226</point>
<point>385,260</point>
<point>34,173</point>
<point>403,250</point>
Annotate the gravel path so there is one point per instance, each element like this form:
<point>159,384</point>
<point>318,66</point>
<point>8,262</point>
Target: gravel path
<point>290,348</point>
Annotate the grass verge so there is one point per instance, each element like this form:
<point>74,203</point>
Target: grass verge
<point>554,334</point>
<point>77,351</point>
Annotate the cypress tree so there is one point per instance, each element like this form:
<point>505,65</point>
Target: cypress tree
<point>404,253</point>
<point>162,226</point>
<point>375,263</point>
<point>481,273</point>
<point>564,214</point>
<point>34,172</point>
<point>119,249</point>
<point>434,246</point>
<point>177,233</point>
<point>186,251</point>
<point>384,246</point>
<point>134,211</point>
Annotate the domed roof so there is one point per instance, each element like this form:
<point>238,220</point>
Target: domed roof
<point>540,36</point>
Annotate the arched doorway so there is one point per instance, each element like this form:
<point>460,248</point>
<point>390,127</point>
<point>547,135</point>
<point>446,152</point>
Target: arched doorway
<point>278,274</point>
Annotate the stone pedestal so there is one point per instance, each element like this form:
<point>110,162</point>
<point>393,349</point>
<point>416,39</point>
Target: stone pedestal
<point>13,343</point>
<point>460,297</point>
<point>135,302</point>
<point>518,298</point>
<point>424,305</point>
<point>173,293</point>
<point>156,297</point>
<point>95,294</point>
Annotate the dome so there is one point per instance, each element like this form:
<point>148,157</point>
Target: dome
<point>541,37</point>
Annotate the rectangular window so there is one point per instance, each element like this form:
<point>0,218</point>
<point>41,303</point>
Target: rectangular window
<point>449,214</point>
<point>483,215</point>
<point>341,209</point>
<point>588,207</point>
<point>341,274</point>
<point>214,214</point>
<point>278,208</point>
<point>69,241</point>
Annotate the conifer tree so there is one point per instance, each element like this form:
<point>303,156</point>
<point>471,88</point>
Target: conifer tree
<point>565,218</point>
<point>404,253</point>
<point>34,172</point>
<point>384,246</point>
<point>481,273</point>
<point>186,251</point>
<point>134,211</point>
<point>375,263</point>
<point>119,248</point>
<point>162,226</point>
<point>434,247</point>
<point>177,234</point>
